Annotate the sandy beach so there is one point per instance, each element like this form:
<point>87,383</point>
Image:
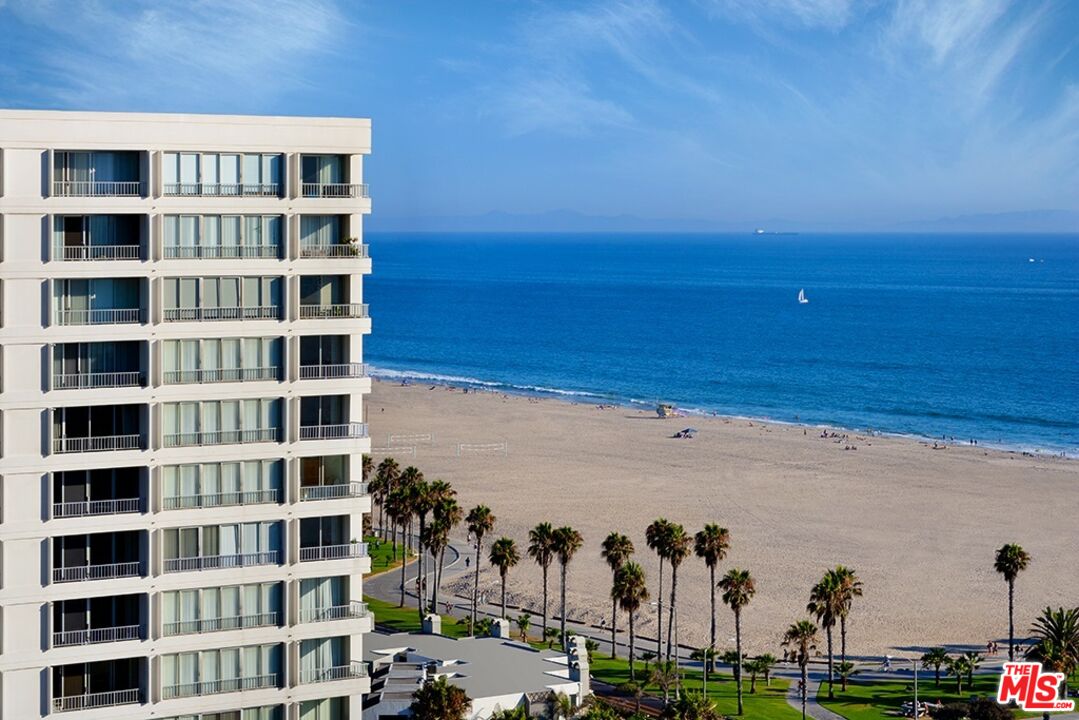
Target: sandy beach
<point>920,525</point>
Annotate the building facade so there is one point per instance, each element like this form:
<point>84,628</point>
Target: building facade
<point>182,416</point>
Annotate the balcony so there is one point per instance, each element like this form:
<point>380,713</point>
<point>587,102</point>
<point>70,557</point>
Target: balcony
<point>108,316</point>
<point>110,571</point>
<point>102,443</point>
<point>91,701</point>
<point>215,687</point>
<point>92,380</point>
<point>334,190</point>
<point>222,499</point>
<point>69,253</point>
<point>222,437</point>
<point>198,189</point>
<point>96,188</point>
<point>221,252</point>
<point>90,508</point>
<point>262,312</point>
<point>311,493</point>
<point>339,310</point>
<point>186,377</point>
<point>336,250</point>
<point>342,672</point>
<point>336,371</point>
<point>209,625</point>
<point>71,638</point>
<point>217,562</point>
<point>337,612</point>
<point>347,551</point>
<point>344,431</point>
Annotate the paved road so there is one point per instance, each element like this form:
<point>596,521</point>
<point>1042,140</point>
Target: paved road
<point>387,587</point>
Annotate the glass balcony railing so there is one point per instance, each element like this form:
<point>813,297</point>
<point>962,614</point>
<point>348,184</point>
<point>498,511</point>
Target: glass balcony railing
<point>328,674</point>
<point>217,562</point>
<point>335,612</point>
<point>222,499</point>
<point>208,625</point>
<point>215,687</point>
<point>333,552</point>
<point>222,437</point>
<point>332,492</point>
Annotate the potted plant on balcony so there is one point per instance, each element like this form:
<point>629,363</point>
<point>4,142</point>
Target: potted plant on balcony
<point>354,246</point>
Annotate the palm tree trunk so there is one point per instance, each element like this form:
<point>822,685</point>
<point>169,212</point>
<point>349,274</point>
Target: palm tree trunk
<point>805,681</point>
<point>438,579</point>
<point>545,569</point>
<point>475,588</point>
<point>404,564</point>
<point>1011,619</point>
<point>738,651</point>
<point>421,596</point>
<point>843,650</point>
<point>712,575</point>
<point>503,595</point>
<point>565,644</point>
<point>670,610</point>
<point>659,613</point>
<point>632,675</point>
<point>831,676</point>
<point>614,629</point>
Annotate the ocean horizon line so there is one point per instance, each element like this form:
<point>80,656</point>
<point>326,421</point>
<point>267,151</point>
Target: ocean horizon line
<point>590,397</point>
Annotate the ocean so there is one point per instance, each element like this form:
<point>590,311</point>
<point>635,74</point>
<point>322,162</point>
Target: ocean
<point>964,336</point>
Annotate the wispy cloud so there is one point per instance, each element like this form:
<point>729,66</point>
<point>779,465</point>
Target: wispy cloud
<point>189,53</point>
<point>827,14</point>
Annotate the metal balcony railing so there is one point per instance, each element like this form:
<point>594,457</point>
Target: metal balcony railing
<point>87,381</point>
<point>207,625</point>
<point>223,189</point>
<point>88,508</point>
<point>100,443</point>
<point>344,431</point>
<point>336,612</point>
<point>339,310</point>
<point>214,687</point>
<point>333,371</point>
<point>216,375</point>
<point>262,312</point>
<point>333,552</point>
<point>222,499</point>
<point>83,573</point>
<point>333,492</point>
<point>111,316</point>
<point>98,252</point>
<point>70,638</point>
<point>334,190</point>
<point>337,250</point>
<point>222,437</point>
<point>97,700</point>
<point>216,562</point>
<point>222,252</point>
<point>96,188</point>
<point>342,672</point>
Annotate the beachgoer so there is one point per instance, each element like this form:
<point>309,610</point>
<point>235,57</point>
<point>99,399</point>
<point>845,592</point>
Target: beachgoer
<point>468,561</point>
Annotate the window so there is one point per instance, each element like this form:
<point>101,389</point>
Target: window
<point>222,236</point>
<point>231,545</point>
<point>216,484</point>
<point>221,173</point>
<point>221,608</point>
<point>221,422</point>
<point>324,709</point>
<point>218,298</point>
<point>267,712</point>
<point>319,230</point>
<point>220,670</point>
<point>221,360</point>
<point>318,595</point>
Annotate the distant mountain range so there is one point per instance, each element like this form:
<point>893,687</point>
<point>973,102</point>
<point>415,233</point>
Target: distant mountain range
<point>1051,221</point>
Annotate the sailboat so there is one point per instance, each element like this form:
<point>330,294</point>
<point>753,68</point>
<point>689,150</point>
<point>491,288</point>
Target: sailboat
<point>802,300</point>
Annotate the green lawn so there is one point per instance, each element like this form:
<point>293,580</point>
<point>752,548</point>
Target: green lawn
<point>877,700</point>
<point>381,554</point>
<point>768,703</point>
<point>406,619</point>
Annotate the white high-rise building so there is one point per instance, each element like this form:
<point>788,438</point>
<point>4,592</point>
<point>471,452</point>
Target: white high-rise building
<point>181,416</point>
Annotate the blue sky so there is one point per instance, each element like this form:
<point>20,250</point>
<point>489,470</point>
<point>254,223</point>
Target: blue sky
<point>823,111</point>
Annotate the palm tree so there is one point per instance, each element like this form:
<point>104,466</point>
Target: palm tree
<point>767,662</point>
<point>802,636</point>
<point>711,545</point>
<point>738,587</point>
<point>565,542</point>
<point>540,549</point>
<point>399,509</point>
<point>852,588</point>
<point>679,548</point>
<point>429,496</point>
<point>439,700</point>
<point>423,501</point>
<point>754,667</point>
<point>563,706</point>
<point>957,666</point>
<point>707,657</point>
<point>549,636</point>
<point>616,551</point>
<point>846,670</point>
<point>826,603</point>
<point>367,466</point>
<point>524,621</point>
<point>412,480</point>
<point>447,516</point>
<point>665,676</point>
<point>935,658</point>
<point>503,556</point>
<point>1057,646</point>
<point>387,474</point>
<point>693,706</point>
<point>974,661</point>
<point>657,537</point>
<point>480,521</point>
<point>1011,560</point>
